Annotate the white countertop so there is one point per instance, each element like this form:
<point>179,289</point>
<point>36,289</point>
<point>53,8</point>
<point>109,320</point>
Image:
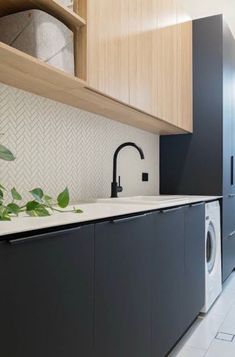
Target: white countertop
<point>100,209</point>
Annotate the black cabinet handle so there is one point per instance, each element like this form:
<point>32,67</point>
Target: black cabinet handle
<point>171,210</point>
<point>231,195</point>
<point>231,234</point>
<point>38,237</point>
<point>196,204</point>
<point>232,169</point>
<point>127,219</point>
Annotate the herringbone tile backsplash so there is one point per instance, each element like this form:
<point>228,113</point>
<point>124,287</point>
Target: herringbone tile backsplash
<point>57,146</point>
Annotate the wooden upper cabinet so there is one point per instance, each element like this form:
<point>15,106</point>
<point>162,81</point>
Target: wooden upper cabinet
<point>140,53</point>
<point>107,36</point>
<point>160,55</point>
<point>185,71</point>
<point>165,73</point>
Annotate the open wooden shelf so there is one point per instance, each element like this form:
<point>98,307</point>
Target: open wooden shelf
<point>25,72</point>
<point>52,7</point>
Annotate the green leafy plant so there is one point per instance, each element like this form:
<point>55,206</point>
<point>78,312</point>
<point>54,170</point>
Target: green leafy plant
<point>6,154</point>
<point>41,205</point>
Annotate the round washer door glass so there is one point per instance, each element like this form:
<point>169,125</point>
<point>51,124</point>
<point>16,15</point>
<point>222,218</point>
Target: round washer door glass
<point>210,248</point>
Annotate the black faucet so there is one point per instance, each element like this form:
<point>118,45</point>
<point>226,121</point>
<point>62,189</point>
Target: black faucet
<point>116,186</point>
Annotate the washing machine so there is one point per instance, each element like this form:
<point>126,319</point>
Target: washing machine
<point>213,276</point>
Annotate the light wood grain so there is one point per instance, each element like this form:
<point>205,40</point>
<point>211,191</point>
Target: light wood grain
<point>80,41</point>
<point>143,23</point>
<point>143,59</point>
<point>52,7</point>
<point>165,70</point>
<point>80,52</point>
<point>28,73</point>
<point>80,7</point>
<point>108,52</point>
<point>185,71</point>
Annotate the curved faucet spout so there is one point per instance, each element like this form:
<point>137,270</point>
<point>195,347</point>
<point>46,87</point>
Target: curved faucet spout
<point>115,187</point>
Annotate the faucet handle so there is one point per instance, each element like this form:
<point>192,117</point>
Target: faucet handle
<point>119,188</point>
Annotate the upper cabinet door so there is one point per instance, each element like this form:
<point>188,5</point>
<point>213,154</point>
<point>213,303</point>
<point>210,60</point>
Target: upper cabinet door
<point>184,87</point>
<point>140,52</point>
<point>165,74</point>
<point>172,64</point>
<point>108,26</point>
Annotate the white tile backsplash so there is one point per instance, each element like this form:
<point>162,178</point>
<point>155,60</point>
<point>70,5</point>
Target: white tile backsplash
<point>58,145</point>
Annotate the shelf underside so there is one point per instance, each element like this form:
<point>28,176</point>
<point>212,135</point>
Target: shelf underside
<point>22,71</point>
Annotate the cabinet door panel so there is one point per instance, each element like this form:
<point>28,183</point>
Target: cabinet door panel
<point>228,215</point>
<point>142,54</point>
<point>166,61</point>
<point>108,31</point>
<point>228,64</point>
<point>184,72</point>
<point>122,288</point>
<point>167,283</point>
<point>46,295</point>
<point>228,241</point>
<point>194,261</point>
<point>228,247</point>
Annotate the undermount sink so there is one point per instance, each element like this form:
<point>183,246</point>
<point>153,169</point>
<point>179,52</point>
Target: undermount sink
<point>162,199</point>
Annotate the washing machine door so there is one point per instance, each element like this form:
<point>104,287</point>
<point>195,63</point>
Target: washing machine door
<point>210,248</point>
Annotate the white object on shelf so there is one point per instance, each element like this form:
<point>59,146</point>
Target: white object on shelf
<point>40,35</point>
<point>68,3</point>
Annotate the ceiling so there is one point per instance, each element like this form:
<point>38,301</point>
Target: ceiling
<point>202,8</point>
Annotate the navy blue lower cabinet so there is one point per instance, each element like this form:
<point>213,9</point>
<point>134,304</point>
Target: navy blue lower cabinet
<point>228,216</point>
<point>194,289</point>
<point>228,241</point>
<point>228,248</point>
<point>47,295</point>
<point>122,288</point>
<point>167,280</point>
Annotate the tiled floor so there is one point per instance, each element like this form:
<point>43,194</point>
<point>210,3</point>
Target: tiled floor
<point>214,334</point>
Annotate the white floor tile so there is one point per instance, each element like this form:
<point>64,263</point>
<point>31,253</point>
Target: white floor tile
<point>188,352</point>
<point>205,332</point>
<point>224,302</point>
<point>228,326</point>
<point>185,338</point>
<point>200,340</point>
<point>221,349</point>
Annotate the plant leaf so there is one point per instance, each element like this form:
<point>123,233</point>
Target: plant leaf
<point>37,194</point>
<point>77,210</point>
<point>63,198</point>
<point>1,194</point>
<point>47,199</point>
<point>35,209</point>
<point>13,208</point>
<point>6,154</point>
<point>4,216</point>
<point>2,187</point>
<point>32,205</point>
<point>15,194</point>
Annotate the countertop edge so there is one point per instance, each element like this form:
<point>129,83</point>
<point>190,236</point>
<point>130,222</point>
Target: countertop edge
<point>30,226</point>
